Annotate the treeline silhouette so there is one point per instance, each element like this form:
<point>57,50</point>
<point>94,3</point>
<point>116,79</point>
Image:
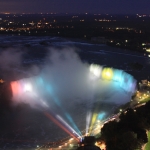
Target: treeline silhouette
<point>130,132</point>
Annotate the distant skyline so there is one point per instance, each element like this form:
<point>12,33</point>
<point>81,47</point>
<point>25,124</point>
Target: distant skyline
<point>76,6</point>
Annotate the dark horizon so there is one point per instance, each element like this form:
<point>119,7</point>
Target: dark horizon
<point>70,13</point>
<point>75,6</point>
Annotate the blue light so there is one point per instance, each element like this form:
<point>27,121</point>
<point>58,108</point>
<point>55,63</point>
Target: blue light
<point>58,102</point>
<point>72,122</point>
<point>40,80</point>
<point>117,75</point>
<point>101,116</point>
<point>49,89</point>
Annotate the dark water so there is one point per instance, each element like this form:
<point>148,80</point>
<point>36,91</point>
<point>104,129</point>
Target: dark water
<point>104,55</point>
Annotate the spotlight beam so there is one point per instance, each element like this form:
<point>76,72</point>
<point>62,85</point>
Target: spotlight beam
<point>88,119</point>
<point>66,124</point>
<point>60,125</point>
<point>60,105</point>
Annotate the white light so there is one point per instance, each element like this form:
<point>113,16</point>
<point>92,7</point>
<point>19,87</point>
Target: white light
<point>44,103</point>
<point>96,70</point>
<point>61,119</point>
<point>88,120</point>
<point>27,88</point>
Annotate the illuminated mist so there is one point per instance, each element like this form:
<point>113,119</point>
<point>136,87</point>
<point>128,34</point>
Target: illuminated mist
<point>65,80</point>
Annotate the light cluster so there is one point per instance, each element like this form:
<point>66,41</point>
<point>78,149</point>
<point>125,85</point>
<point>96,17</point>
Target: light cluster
<point>125,80</point>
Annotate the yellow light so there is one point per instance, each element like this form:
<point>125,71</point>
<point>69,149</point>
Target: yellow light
<point>70,139</point>
<point>86,134</point>
<point>107,73</point>
<point>94,117</point>
<point>148,50</point>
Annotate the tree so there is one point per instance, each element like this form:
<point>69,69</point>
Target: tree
<point>144,114</point>
<point>127,134</point>
<point>127,141</point>
<point>108,134</point>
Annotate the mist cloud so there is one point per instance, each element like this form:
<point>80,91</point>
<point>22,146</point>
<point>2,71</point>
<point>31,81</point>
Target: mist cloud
<point>65,80</point>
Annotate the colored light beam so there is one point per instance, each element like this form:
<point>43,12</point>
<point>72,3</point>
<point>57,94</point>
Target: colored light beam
<point>15,88</point>
<point>60,125</point>
<point>125,80</point>
<point>31,88</point>
<point>66,124</point>
<point>88,119</point>
<point>94,118</point>
<point>60,105</point>
<point>101,115</point>
<point>72,122</point>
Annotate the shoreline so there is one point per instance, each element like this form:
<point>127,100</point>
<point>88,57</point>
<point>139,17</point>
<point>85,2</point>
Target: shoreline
<point>74,39</point>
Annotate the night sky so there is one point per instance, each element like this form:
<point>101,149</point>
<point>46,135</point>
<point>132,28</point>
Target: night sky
<point>76,6</point>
